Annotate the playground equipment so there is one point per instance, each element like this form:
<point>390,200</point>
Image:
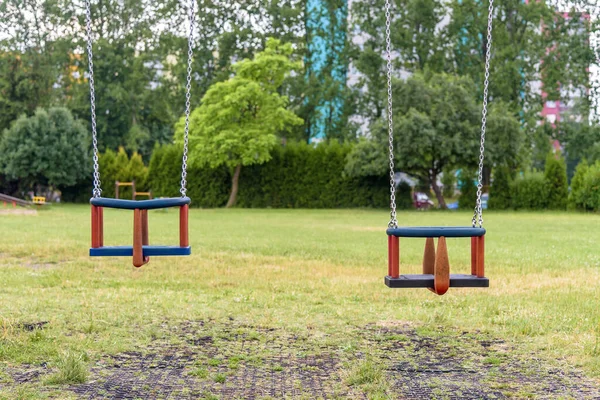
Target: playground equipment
<point>141,249</point>
<point>13,201</point>
<point>39,200</point>
<point>436,266</point>
<point>135,193</point>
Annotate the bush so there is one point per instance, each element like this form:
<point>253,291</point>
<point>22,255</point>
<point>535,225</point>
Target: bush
<point>576,197</point>
<point>591,188</point>
<point>468,190</point>
<point>555,175</point>
<point>530,192</point>
<point>138,172</point>
<point>500,192</point>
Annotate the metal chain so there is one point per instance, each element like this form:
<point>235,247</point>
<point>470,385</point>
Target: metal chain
<point>388,21</point>
<point>97,192</point>
<point>478,215</point>
<point>188,90</point>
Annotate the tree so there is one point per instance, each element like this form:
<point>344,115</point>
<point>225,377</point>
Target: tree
<point>48,150</point>
<point>555,175</point>
<point>238,120</point>
<point>436,126</point>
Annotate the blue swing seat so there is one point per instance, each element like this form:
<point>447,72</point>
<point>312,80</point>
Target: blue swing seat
<point>436,231</point>
<point>127,251</point>
<point>140,204</point>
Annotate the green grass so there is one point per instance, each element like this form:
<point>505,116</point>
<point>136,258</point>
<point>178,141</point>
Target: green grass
<point>71,369</point>
<point>314,271</point>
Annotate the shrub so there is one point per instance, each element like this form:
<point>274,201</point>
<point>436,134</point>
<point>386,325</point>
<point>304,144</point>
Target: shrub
<point>591,188</point>
<point>576,197</point>
<point>468,190</point>
<point>500,191</point>
<point>530,192</point>
<point>108,172</point>
<point>138,172</point>
<point>555,175</point>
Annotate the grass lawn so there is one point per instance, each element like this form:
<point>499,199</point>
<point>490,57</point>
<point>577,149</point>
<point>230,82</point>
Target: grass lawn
<point>291,304</point>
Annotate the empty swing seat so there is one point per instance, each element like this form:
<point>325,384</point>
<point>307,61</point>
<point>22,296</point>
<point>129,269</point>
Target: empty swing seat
<point>436,267</point>
<point>141,249</point>
<point>140,204</point>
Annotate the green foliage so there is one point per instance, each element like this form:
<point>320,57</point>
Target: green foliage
<point>207,187</point>
<point>298,176</point>
<point>108,172</point>
<point>49,149</point>
<point>591,188</point>
<point>576,196</point>
<point>404,199</point>
<point>138,172</point>
<point>500,191</point>
<point>238,119</point>
<point>555,175</point>
<point>541,145</point>
<point>468,189</point>
<point>368,157</point>
<point>449,182</point>
<point>436,127</point>
<point>120,167</point>
<point>304,176</point>
<point>530,192</point>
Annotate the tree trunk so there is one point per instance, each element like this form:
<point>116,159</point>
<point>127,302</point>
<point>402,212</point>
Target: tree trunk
<point>234,187</point>
<point>438,192</point>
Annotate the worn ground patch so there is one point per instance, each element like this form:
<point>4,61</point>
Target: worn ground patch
<point>228,360</point>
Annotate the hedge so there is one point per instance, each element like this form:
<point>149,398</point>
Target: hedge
<point>530,192</point>
<point>298,176</point>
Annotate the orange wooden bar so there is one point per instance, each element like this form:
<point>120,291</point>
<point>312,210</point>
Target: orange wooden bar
<point>138,239</point>
<point>474,243</point>
<point>480,257</point>
<point>97,227</point>
<point>394,256</point>
<point>441,274</point>
<point>101,225</point>
<point>184,240</point>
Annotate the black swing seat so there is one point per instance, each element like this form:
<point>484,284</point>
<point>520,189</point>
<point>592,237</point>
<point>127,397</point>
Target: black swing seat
<point>426,281</point>
<point>435,231</point>
<point>140,204</point>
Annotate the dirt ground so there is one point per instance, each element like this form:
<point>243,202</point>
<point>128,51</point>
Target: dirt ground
<point>229,360</point>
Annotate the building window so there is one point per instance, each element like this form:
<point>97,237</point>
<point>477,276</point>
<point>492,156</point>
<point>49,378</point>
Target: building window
<point>551,104</point>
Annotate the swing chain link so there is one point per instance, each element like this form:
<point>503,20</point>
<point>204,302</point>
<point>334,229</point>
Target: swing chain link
<point>97,192</point>
<point>478,215</point>
<point>188,90</point>
<point>388,21</point>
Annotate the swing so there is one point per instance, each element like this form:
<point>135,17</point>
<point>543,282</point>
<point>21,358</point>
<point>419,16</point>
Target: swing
<point>436,266</point>
<point>141,250</point>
